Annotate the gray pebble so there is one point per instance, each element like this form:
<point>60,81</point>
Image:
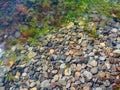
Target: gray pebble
<point>45,83</point>
<point>32,84</point>
<point>17,34</point>
<point>102,58</point>
<point>62,82</point>
<point>88,74</point>
<point>94,70</point>
<point>68,85</point>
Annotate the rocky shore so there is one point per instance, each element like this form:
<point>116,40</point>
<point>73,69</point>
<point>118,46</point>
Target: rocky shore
<point>69,59</point>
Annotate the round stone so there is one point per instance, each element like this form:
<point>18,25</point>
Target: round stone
<point>101,74</point>
<point>17,34</point>
<point>88,74</point>
<point>93,63</point>
<point>77,74</point>
<point>94,70</point>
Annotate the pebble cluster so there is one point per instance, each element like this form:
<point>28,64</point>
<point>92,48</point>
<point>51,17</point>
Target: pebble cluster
<point>68,59</point>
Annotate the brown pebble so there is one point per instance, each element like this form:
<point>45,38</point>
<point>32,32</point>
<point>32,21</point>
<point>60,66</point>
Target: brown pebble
<point>77,74</point>
<point>51,51</point>
<point>34,88</point>
<point>102,74</point>
<point>64,88</point>
<point>53,84</point>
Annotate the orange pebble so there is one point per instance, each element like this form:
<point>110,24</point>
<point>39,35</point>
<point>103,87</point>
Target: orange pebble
<point>51,51</point>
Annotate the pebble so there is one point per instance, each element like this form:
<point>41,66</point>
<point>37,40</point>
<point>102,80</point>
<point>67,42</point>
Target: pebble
<point>32,54</point>
<point>93,63</point>
<point>62,66</point>
<point>88,75</point>
<point>67,71</point>
<point>72,88</point>
<point>86,88</point>
<point>101,74</point>
<point>114,30</point>
<point>68,59</point>
<point>45,84</point>
<point>107,64</point>
<point>77,74</point>
<point>68,85</point>
<point>62,81</point>
<point>24,74</point>
<point>102,44</point>
<point>34,88</point>
<point>94,70</point>
<point>98,88</point>
<point>51,51</point>
<point>17,34</point>
<point>32,84</point>
<point>117,51</point>
<point>102,58</point>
